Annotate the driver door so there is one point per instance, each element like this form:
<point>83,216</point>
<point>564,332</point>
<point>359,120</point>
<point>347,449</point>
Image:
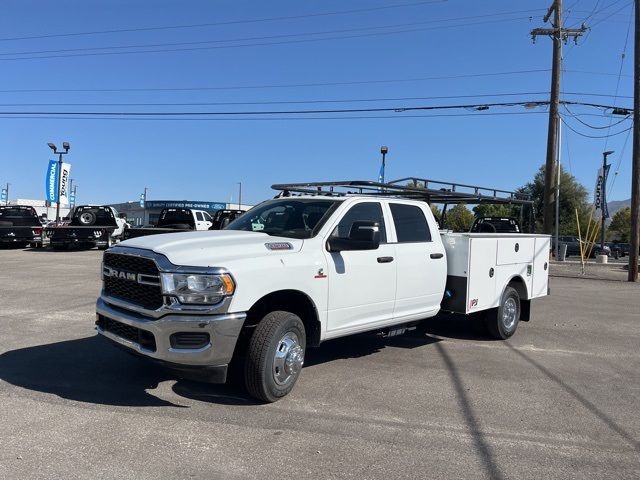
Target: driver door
<point>362,283</point>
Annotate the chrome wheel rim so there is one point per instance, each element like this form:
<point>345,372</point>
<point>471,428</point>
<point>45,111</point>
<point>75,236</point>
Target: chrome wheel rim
<point>509,313</point>
<point>288,359</point>
<point>85,218</point>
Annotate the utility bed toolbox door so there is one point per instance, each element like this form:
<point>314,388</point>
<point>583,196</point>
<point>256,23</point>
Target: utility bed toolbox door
<point>515,250</point>
<point>541,267</point>
<point>482,279</point>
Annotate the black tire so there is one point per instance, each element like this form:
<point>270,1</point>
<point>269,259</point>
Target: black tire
<point>503,321</point>
<point>108,245</point>
<point>87,218</point>
<point>263,377</point>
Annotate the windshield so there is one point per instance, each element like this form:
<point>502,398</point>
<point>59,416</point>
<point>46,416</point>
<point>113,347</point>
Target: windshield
<point>295,217</point>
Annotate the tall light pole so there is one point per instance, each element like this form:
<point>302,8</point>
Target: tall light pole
<point>239,195</point>
<point>6,192</point>
<point>66,147</point>
<point>603,195</point>
<point>383,150</point>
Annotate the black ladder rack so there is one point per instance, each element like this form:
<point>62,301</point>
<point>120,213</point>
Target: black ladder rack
<point>431,191</point>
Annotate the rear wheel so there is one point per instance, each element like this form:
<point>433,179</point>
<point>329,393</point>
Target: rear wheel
<point>275,356</point>
<point>503,321</point>
<point>109,244</point>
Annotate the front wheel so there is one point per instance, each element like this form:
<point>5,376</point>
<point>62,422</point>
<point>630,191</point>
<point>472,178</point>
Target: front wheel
<point>503,321</point>
<point>275,356</point>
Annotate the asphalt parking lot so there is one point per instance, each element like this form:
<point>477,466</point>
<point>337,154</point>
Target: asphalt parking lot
<point>559,400</point>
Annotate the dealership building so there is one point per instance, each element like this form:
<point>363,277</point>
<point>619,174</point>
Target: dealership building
<point>150,212</point>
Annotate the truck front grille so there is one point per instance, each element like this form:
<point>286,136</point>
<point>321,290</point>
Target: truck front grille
<point>145,295</point>
<point>143,338</point>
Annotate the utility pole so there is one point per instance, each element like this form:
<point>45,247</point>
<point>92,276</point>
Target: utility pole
<point>558,35</point>
<point>603,196</point>
<point>240,196</point>
<point>635,169</point>
<point>6,191</point>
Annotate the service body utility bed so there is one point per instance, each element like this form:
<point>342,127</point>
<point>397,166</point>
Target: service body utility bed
<point>479,265</point>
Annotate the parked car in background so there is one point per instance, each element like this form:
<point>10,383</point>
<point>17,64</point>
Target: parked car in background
<point>173,220</point>
<point>222,218</point>
<point>88,226</point>
<point>20,226</point>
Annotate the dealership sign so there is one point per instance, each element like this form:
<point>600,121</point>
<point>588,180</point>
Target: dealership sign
<point>152,204</point>
<point>57,178</point>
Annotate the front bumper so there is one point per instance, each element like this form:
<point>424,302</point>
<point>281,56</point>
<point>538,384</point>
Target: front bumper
<point>223,330</point>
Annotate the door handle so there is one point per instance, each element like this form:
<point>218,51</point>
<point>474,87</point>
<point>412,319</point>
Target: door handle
<point>437,255</point>
<point>385,259</point>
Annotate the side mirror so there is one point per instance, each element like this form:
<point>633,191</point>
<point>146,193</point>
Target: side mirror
<point>362,236</point>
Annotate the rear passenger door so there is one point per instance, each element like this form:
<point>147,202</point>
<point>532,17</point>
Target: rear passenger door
<point>421,263</point>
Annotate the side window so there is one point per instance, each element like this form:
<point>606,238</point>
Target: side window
<point>207,217</point>
<point>199,217</point>
<point>410,222</point>
<point>368,211</point>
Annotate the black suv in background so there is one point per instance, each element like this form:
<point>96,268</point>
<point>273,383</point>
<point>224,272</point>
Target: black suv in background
<point>20,226</point>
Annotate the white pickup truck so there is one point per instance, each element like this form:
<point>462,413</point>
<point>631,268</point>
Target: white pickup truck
<point>304,268</point>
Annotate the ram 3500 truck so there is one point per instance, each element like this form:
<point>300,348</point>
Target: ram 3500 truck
<point>304,268</point>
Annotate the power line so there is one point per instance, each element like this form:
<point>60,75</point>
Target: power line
<point>592,136</point>
<point>608,127</point>
<point>230,22</point>
<point>268,37</point>
<point>257,119</point>
<point>397,109</point>
<point>256,44</point>
<point>622,58</point>
<point>270,86</point>
<point>294,102</point>
<point>614,13</point>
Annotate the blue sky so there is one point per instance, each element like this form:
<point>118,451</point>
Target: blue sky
<point>114,159</point>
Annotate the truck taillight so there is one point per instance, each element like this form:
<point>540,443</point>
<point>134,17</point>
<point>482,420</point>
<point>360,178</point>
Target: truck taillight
<point>36,231</point>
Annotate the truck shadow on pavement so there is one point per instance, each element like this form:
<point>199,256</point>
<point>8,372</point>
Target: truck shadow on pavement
<point>85,370</point>
<point>92,370</point>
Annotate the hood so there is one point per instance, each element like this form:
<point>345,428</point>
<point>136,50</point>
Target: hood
<point>212,247</point>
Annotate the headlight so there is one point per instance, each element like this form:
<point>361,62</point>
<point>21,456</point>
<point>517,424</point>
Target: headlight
<point>197,289</point>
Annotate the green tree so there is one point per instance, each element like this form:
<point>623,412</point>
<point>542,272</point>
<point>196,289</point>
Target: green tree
<point>573,195</point>
<point>459,218</point>
<point>620,225</point>
<point>436,213</point>
<point>492,210</point>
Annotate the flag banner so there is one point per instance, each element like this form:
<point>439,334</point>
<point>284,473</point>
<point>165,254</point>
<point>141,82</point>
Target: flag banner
<point>381,174</point>
<point>599,195</point>
<point>65,175</point>
<point>3,197</point>
<point>142,199</point>
<point>51,182</point>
